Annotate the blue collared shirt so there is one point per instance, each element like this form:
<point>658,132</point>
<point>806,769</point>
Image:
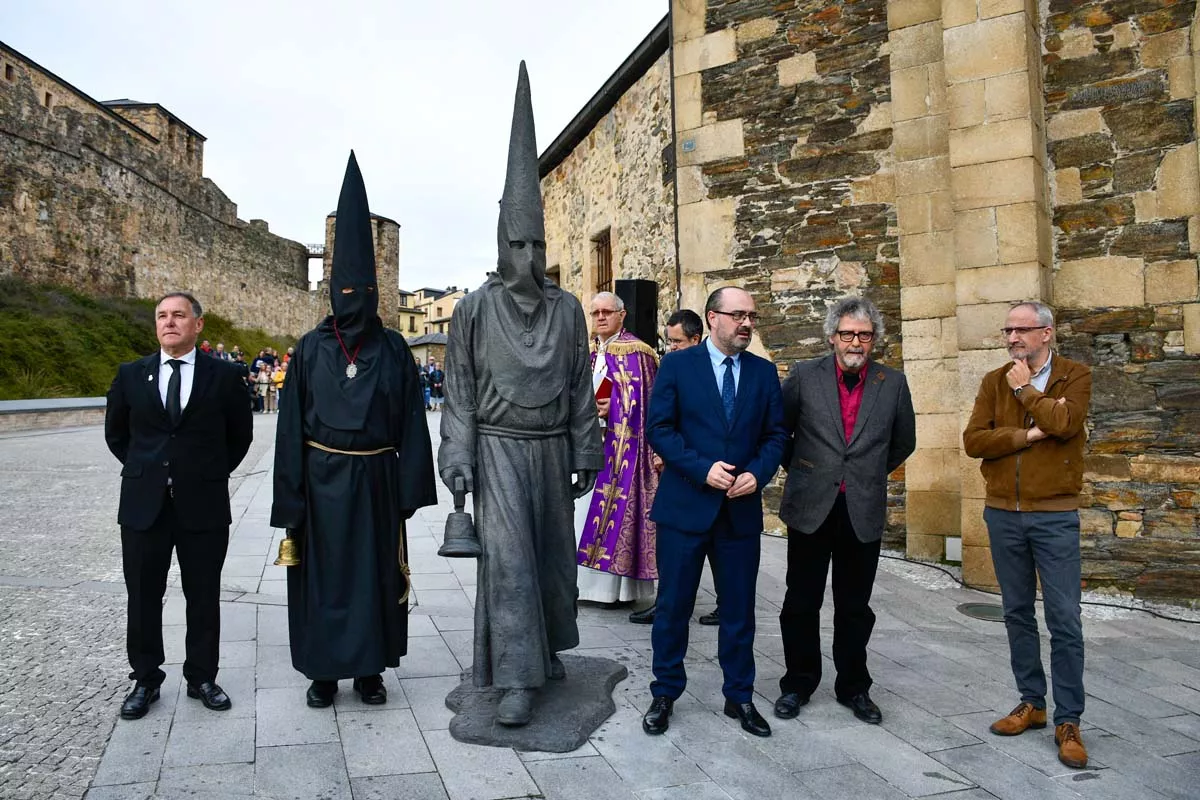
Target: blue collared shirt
<point>717,358</point>
<point>1040,378</point>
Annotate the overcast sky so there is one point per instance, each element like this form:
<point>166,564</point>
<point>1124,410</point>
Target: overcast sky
<point>421,89</point>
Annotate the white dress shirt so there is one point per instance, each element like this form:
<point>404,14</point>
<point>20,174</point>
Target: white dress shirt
<point>187,373</point>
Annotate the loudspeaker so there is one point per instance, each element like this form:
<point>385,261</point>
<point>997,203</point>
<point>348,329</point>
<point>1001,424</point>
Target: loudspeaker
<point>641,309</point>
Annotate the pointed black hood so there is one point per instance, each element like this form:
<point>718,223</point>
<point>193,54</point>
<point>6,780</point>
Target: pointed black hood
<point>353,292</point>
<point>522,268</point>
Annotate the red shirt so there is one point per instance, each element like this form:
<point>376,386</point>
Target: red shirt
<point>850,401</point>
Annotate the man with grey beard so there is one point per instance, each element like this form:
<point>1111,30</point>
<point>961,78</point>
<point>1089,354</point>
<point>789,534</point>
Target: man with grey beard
<point>851,423</point>
<point>1028,427</point>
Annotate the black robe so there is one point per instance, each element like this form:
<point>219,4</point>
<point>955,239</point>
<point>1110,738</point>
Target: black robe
<point>344,611</point>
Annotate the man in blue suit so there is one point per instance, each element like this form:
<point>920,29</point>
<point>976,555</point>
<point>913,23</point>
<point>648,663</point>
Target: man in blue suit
<point>716,419</point>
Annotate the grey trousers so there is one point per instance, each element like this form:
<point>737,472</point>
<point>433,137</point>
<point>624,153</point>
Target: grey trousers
<point>1027,545</point>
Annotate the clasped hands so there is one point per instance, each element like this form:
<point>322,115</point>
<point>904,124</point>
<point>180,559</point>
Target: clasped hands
<point>720,476</point>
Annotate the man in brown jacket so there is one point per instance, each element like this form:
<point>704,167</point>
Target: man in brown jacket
<point>1028,427</point>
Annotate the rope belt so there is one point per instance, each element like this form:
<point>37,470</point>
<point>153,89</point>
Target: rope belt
<point>377,451</point>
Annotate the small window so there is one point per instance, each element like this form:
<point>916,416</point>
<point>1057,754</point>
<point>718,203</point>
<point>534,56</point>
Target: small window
<point>438,309</point>
<point>48,100</point>
<point>412,324</point>
<point>441,328</point>
<point>602,259</point>
<point>403,301</point>
<point>9,73</point>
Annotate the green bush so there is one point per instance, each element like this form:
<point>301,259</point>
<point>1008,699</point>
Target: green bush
<point>58,343</point>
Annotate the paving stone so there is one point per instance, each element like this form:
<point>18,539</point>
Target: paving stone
<point>272,625</point>
<point>301,772</point>
<point>851,782</point>
<point>135,751</point>
<point>381,742</point>
<point>275,670</point>
<point>1143,769</point>
<point>421,625</point>
<point>739,770</point>
<point>226,779</point>
<point>1005,777</point>
<point>1158,736</point>
<point>273,588</point>
<point>925,731</point>
<point>428,657</point>
<point>1034,748</point>
<point>285,719</point>
<point>477,772</point>
<point>643,762</point>
<point>218,739</point>
<point>1174,671</point>
<point>1184,697</point>
<point>1141,703</point>
<point>461,623</point>
<point>242,566</point>
<point>128,791</point>
<point>427,786</point>
<point>896,761</point>
<point>444,601</point>
<point>238,654</point>
<point>1105,784</point>
<point>461,644</point>
<point>585,750</point>
<point>429,581</point>
<point>1187,724</point>
<point>579,779</point>
<point>706,790</point>
<point>427,699</point>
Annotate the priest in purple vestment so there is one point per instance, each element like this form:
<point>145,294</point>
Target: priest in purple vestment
<point>617,546</point>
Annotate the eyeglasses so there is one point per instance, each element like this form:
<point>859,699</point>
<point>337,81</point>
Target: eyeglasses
<point>604,312</point>
<point>740,316</point>
<point>1021,331</point>
<point>866,337</point>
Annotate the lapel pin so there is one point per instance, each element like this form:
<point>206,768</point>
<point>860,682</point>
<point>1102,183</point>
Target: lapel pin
<point>150,377</point>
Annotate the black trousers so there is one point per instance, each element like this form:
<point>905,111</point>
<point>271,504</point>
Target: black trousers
<point>146,558</point>
<point>854,565</point>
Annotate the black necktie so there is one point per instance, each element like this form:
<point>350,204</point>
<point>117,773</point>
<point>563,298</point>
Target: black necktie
<point>727,388</point>
<point>850,379</point>
<point>174,386</point>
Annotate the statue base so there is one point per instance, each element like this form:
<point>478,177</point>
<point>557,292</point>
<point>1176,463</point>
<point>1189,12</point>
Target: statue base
<point>565,713</point>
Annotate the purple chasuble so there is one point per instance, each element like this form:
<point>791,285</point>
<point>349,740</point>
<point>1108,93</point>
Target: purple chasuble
<point>618,536</point>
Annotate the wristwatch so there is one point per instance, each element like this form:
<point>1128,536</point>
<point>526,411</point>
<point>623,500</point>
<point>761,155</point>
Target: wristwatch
<point>1017,391</point>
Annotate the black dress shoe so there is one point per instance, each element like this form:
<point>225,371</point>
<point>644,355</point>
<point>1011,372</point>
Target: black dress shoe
<point>211,695</point>
<point>137,702</point>
<point>711,619</point>
<point>788,705</point>
<point>747,714</point>
<point>370,689</point>
<point>645,616</point>
<point>864,708</point>
<point>320,694</point>
<point>658,718</point>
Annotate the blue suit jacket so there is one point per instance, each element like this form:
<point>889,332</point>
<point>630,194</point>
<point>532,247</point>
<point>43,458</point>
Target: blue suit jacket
<point>686,426</point>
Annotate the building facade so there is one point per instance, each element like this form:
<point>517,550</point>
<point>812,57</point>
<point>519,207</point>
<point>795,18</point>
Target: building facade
<point>945,159</point>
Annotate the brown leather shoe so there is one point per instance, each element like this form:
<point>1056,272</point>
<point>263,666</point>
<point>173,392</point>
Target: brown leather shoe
<point>1020,719</point>
<point>1070,746</point>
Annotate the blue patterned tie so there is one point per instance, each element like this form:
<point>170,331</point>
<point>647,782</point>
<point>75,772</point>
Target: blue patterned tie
<point>727,389</point>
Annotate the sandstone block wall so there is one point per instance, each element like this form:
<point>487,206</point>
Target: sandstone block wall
<point>1121,151</point>
<point>616,181</point>
<point>91,201</point>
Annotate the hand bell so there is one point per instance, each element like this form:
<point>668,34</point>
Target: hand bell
<point>460,540</point>
<point>289,553</point>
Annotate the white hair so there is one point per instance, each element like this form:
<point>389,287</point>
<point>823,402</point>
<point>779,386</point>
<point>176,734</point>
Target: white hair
<point>618,303</point>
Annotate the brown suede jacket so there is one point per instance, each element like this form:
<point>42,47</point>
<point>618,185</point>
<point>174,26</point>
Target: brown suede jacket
<point>1045,475</point>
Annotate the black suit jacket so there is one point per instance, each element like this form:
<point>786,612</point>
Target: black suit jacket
<point>197,455</point>
<point>818,459</point>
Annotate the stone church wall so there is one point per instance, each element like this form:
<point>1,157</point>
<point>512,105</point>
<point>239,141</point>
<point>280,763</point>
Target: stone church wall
<point>616,181</point>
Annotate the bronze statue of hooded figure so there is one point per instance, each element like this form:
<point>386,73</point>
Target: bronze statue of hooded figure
<point>352,462</point>
<point>518,423</point>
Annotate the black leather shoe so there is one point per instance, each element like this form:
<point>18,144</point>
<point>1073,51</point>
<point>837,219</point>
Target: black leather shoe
<point>864,708</point>
<point>658,718</point>
<point>711,619</point>
<point>788,705</point>
<point>370,689</point>
<point>212,696</point>
<point>645,616</point>
<point>137,702</point>
<point>320,694</point>
<point>747,714</point>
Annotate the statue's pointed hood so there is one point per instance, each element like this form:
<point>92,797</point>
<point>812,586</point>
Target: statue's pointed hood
<point>353,292</point>
<point>521,232</point>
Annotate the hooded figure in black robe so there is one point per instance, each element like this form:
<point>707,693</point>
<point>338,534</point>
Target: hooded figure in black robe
<point>353,461</point>
<point>519,419</point>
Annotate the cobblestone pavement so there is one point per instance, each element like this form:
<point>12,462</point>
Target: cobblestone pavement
<point>940,678</point>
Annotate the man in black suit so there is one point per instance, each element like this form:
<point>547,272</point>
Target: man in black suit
<point>179,425</point>
<point>851,422</point>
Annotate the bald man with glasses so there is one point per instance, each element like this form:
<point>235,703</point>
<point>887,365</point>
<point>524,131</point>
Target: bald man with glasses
<point>850,422</point>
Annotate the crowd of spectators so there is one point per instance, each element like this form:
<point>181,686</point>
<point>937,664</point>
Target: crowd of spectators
<point>263,375</point>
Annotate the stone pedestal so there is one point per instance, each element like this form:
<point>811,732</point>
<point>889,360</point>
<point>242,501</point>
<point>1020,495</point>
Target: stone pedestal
<point>565,713</point>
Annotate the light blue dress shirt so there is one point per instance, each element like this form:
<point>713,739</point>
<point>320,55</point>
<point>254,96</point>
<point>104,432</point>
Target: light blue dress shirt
<point>719,368</point>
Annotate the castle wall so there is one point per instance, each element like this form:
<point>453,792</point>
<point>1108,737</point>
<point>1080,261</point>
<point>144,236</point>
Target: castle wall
<point>616,181</point>
<point>90,201</point>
